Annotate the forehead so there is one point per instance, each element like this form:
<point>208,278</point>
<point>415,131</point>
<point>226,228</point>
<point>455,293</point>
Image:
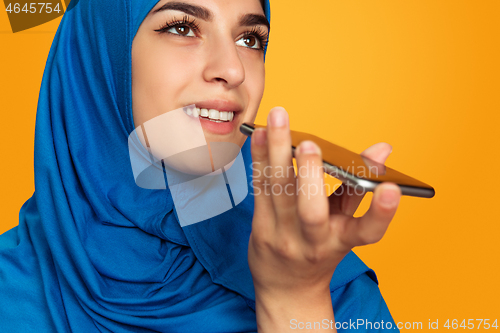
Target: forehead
<point>208,9</point>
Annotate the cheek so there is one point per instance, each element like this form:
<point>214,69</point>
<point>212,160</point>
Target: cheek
<point>260,82</point>
<point>255,77</point>
<point>158,77</point>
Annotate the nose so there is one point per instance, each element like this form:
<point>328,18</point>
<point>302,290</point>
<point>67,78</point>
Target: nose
<point>224,64</point>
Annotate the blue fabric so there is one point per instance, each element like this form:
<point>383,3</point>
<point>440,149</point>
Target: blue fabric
<point>93,252</point>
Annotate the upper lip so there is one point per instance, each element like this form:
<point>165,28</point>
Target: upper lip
<point>220,105</point>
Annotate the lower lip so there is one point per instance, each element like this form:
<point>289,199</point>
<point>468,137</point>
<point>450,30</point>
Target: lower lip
<point>224,127</point>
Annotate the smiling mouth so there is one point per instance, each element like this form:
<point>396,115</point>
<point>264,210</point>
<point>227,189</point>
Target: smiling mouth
<point>213,115</point>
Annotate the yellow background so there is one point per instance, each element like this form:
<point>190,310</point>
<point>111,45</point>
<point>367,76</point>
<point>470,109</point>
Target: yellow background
<point>423,76</point>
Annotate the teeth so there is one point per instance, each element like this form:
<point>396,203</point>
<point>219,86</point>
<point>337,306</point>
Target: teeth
<point>213,114</point>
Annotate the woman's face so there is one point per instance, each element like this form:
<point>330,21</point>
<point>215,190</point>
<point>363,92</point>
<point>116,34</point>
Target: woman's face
<point>209,53</point>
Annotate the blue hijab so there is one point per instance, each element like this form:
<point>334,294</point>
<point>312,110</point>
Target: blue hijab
<point>94,252</point>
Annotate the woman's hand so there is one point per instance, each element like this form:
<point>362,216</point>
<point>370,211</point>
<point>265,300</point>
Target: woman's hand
<point>299,235</point>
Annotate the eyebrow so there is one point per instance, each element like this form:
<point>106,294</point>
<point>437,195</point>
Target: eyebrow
<point>206,15</point>
<point>196,11</point>
<point>254,19</point>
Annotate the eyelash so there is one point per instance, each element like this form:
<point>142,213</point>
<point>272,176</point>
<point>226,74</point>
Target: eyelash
<point>256,32</point>
<point>191,23</point>
<point>261,36</point>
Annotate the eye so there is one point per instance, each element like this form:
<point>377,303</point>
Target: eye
<point>254,39</point>
<point>186,27</point>
<point>249,41</point>
<point>181,29</point>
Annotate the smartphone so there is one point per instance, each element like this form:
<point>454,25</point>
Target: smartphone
<point>354,170</point>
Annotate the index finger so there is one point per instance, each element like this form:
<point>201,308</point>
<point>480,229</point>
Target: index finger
<point>343,201</point>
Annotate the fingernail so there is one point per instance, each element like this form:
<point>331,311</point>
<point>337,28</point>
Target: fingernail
<point>260,137</point>
<point>388,198</point>
<point>308,147</point>
<point>278,117</point>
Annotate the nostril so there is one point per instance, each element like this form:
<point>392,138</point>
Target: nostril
<point>219,79</point>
